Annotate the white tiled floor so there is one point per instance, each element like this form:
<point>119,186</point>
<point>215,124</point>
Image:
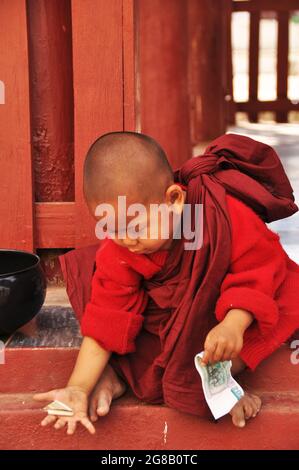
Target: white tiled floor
<point>285,139</point>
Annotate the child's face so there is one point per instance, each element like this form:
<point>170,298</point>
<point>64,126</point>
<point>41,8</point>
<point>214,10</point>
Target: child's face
<point>148,233</point>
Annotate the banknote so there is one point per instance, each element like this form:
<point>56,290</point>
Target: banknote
<point>58,408</point>
<point>220,389</point>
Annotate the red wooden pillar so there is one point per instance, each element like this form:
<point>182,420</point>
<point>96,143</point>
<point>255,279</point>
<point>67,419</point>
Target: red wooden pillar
<point>208,62</point>
<point>16,213</point>
<point>163,85</point>
<point>282,62</point>
<point>51,90</point>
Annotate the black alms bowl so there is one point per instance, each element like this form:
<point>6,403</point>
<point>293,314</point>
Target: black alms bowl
<point>22,289</point>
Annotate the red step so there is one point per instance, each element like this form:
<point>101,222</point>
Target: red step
<point>28,370</point>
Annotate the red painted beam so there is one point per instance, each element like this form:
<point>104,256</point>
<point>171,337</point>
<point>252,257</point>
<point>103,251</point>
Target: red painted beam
<point>55,224</point>
<point>264,5</point>
<point>27,370</point>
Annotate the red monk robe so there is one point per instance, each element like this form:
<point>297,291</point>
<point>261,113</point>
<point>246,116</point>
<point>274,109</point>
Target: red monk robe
<point>154,311</point>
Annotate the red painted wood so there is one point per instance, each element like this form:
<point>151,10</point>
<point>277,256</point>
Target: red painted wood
<point>263,5</point>
<point>231,107</point>
<point>55,224</point>
<point>16,215</point>
<point>278,105</point>
<point>129,64</point>
<point>253,61</point>
<point>208,68</point>
<point>51,90</point>
<point>275,427</point>
<point>98,89</point>
<point>163,67</point>
<point>16,376</point>
<point>282,61</point>
<point>268,8</point>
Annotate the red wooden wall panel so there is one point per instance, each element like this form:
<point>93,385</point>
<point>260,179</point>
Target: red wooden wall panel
<point>98,89</point>
<point>16,213</point>
<point>129,71</point>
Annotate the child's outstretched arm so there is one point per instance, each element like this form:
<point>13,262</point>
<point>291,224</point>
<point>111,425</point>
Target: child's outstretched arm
<point>91,362</point>
<point>110,323</point>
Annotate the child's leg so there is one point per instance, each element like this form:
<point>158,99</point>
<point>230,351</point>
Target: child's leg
<point>249,405</point>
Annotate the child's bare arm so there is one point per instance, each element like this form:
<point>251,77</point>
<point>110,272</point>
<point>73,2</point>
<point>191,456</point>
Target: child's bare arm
<point>91,362</point>
<point>225,341</point>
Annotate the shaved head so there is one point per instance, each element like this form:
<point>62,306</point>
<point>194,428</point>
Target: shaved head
<point>126,163</point>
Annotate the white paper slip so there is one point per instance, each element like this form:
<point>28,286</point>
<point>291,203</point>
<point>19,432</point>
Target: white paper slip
<point>220,389</point>
<point>58,408</point>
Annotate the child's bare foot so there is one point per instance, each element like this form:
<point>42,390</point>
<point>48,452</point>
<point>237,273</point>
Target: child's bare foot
<point>109,387</point>
<point>247,407</point>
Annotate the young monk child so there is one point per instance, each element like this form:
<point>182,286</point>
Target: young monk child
<point>147,305</point>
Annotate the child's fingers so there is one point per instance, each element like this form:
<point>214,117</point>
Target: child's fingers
<point>71,426</point>
<point>228,354</point>
<point>60,423</point>
<point>45,396</point>
<point>218,353</point>
<point>88,425</point>
<point>209,349</point>
<point>48,420</point>
<point>206,357</point>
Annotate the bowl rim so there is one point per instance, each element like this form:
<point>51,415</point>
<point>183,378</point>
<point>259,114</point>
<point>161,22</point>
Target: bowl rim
<point>34,255</point>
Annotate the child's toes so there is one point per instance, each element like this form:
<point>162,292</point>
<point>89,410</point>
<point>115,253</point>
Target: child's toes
<point>93,411</point>
<point>249,407</point>
<point>104,402</point>
<point>238,415</point>
<point>257,403</point>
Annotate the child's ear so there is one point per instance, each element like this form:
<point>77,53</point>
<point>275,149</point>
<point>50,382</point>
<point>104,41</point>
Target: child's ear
<point>175,197</point>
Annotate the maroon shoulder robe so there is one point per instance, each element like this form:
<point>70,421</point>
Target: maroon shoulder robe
<point>182,296</point>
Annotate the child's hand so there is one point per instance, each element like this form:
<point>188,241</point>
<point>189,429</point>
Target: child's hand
<point>74,397</point>
<point>223,343</point>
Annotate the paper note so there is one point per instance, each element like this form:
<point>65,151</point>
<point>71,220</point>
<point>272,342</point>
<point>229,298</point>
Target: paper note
<point>58,408</point>
<point>220,389</point>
